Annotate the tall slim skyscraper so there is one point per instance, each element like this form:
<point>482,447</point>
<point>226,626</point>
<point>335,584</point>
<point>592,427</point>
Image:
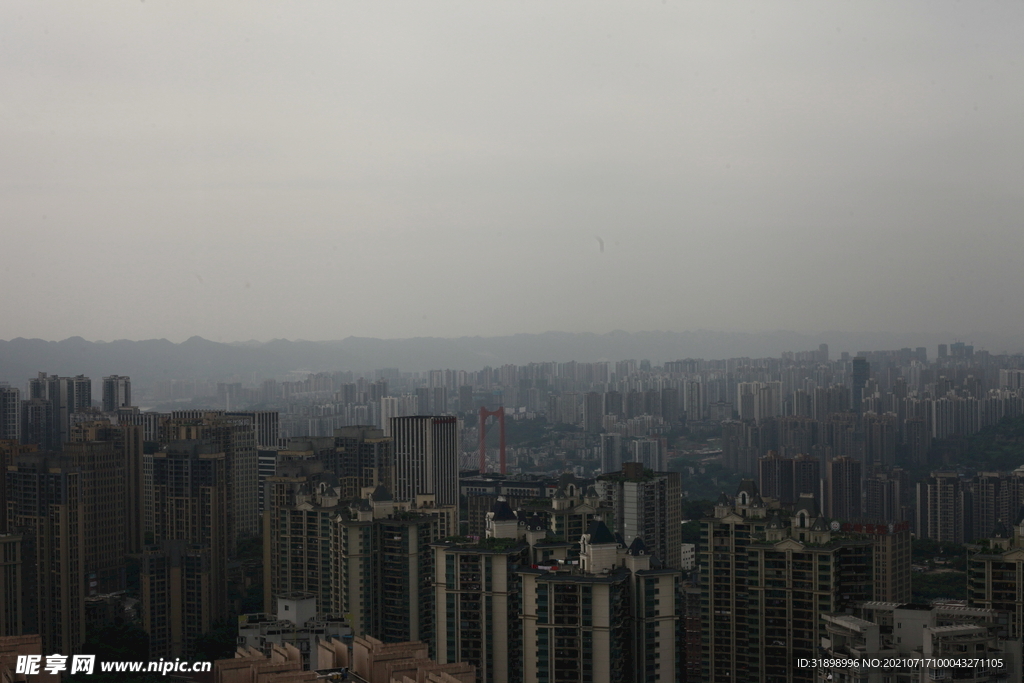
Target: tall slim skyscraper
<point>943,508</point>
<point>104,476</point>
<point>861,371</point>
<point>611,452</point>
<point>127,440</point>
<point>775,477</point>
<point>593,411</point>
<point>117,393</point>
<point>10,412</point>
<point>844,488</point>
<point>184,570</point>
<point>426,458</point>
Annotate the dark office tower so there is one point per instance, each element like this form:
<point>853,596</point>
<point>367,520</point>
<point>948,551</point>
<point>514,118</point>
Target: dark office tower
<point>466,398</point>
<point>633,404</point>
<point>362,457</point>
<point>426,458</point>
<point>844,488</point>
<point>439,400</point>
<point>593,411</point>
<point>117,393</point>
<point>127,440</point>
<point>10,412</point>
<point>775,476</point>
<point>645,505</point>
<point>613,403</point>
<point>611,453</point>
<point>423,401</point>
<point>879,440</point>
<point>943,351</point>
<point>919,439</point>
<point>652,402</point>
<point>66,395</point>
<point>378,390</point>
<point>822,353</point>
<point>882,497</point>
<point>807,476</point>
<point>44,497</point>
<point>671,412</point>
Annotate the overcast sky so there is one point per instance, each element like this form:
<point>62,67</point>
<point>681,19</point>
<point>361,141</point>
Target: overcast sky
<point>319,170</point>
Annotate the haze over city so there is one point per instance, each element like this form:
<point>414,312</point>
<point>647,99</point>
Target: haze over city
<point>315,171</point>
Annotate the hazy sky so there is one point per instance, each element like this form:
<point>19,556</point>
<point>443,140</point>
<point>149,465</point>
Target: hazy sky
<point>319,170</point>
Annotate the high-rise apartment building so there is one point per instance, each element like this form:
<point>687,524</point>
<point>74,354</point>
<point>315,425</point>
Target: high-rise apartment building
<point>995,575</point>
<point>426,461</point>
<point>102,493</point>
<point>17,584</point>
<point>235,437</point>
<point>66,396</point>
<point>186,503</point>
<point>645,504</point>
<point>45,496</point>
<point>612,618</point>
<point>361,455</point>
<point>36,422</point>
<point>943,508</point>
<point>117,393</point>
<point>768,574</point>
<point>179,586</point>
<point>368,559</point>
<point>477,595</point>
<point>127,440</point>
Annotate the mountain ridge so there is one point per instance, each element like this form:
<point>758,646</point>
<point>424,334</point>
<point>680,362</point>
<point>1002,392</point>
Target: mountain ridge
<point>151,360</point>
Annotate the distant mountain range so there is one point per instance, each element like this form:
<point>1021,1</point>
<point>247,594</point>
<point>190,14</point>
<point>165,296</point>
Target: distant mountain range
<point>155,359</point>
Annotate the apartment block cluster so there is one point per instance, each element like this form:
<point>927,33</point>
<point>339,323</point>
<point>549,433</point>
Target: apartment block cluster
<point>868,406</point>
<point>375,541</point>
<point>790,595</point>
